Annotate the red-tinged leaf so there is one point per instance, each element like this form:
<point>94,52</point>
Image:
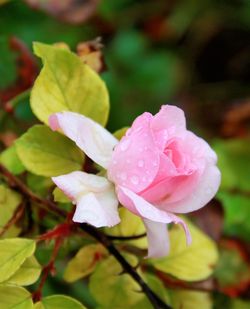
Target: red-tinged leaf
<point>233,270</point>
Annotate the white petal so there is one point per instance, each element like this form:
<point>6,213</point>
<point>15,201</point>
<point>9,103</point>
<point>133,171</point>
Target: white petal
<point>77,183</point>
<point>158,239</point>
<point>96,142</point>
<point>98,211</point>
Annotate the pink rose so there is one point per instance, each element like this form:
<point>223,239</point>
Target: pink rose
<point>157,169</point>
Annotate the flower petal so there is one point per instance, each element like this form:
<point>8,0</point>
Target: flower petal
<point>135,160</point>
<point>96,142</point>
<point>98,211</point>
<point>170,121</point>
<point>147,211</point>
<point>158,239</point>
<point>94,195</point>
<point>78,183</point>
<point>205,191</point>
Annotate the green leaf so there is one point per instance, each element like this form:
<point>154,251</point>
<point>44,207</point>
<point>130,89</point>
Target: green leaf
<point>233,161</point>
<point>59,302</point>
<point>237,214</point>
<point>48,153</point>
<point>67,84</point>
<point>84,262</point>
<point>240,304</point>
<point>27,274</point>
<point>11,161</point>
<point>39,184</point>
<point>187,299</point>
<point>120,133</point>
<point>130,225</point>
<point>232,270</point>
<point>13,252</point>
<point>190,263</point>
<point>158,287</point>
<point>60,197</point>
<point>9,201</point>
<point>15,297</point>
<point>110,288</point>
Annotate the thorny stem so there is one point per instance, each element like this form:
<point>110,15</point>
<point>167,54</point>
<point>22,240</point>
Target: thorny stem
<point>15,182</point>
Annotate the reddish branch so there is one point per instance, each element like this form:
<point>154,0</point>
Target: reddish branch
<point>16,216</point>
<point>48,269</point>
<point>16,183</point>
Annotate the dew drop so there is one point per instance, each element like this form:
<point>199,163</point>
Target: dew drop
<point>140,163</point>
<point>208,191</point>
<point>134,180</point>
<point>125,144</point>
<point>123,176</point>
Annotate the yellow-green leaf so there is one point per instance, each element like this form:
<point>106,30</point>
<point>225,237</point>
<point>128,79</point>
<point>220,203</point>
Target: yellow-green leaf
<point>59,302</point>
<point>15,297</point>
<point>110,288</point>
<point>186,299</point>
<point>11,161</point>
<point>120,133</point>
<point>130,225</point>
<point>9,200</point>
<point>27,274</point>
<point>13,252</point>
<point>190,263</point>
<point>59,196</point>
<point>84,262</point>
<point>48,153</point>
<point>67,84</point>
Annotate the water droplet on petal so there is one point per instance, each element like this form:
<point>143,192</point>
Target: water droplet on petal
<point>123,176</point>
<point>144,179</point>
<point>208,191</point>
<point>125,144</point>
<point>134,180</point>
<point>155,163</point>
<point>140,163</point>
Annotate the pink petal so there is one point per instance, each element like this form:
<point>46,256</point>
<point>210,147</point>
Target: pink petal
<point>148,211</point>
<point>135,160</point>
<point>158,239</point>
<point>170,121</point>
<point>206,189</point>
<point>91,137</point>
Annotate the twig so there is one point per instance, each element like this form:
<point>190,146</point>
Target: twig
<point>49,268</point>
<point>134,237</point>
<point>15,182</point>
<point>16,216</point>
<point>92,231</point>
<point>127,268</point>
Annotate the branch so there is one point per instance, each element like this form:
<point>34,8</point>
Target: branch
<point>127,268</point>
<point>15,182</point>
<point>111,237</point>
